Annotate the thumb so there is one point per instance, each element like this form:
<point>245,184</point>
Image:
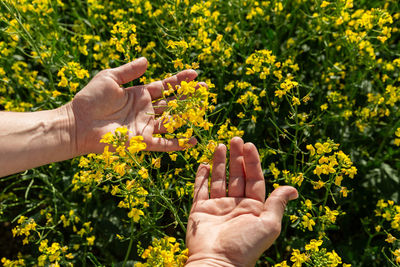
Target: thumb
<point>276,203</point>
<point>130,71</point>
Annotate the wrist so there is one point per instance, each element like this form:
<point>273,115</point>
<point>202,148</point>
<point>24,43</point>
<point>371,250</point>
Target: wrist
<point>206,260</point>
<point>67,130</point>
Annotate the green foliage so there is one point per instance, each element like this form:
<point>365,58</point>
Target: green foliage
<point>313,84</point>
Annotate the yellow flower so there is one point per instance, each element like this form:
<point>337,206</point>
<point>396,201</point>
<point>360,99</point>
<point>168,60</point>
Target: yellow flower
<point>136,144</point>
<point>293,218</point>
<point>323,148</point>
<point>90,240</point>
<point>280,93</point>
<point>73,86</point>
<point>63,82</point>
<point>308,204</point>
<point>282,264</point>
<point>307,222</point>
<point>121,131</point>
<point>275,172</point>
<point>390,238</point>
<point>313,245</point>
<point>397,133</point>
<point>396,253</point>
<point>120,168</point>
<point>173,103</point>
<point>135,214</point>
<point>55,93</point>
<point>178,63</point>
<point>144,173</point>
<point>295,101</point>
<point>338,180</point>
<point>173,156</point>
<point>324,4</point>
<point>311,149</point>
<point>344,191</point>
<point>107,138</point>
<point>115,190</point>
<point>331,214</point>
<point>334,258</point>
<point>156,162</point>
<point>298,258</point>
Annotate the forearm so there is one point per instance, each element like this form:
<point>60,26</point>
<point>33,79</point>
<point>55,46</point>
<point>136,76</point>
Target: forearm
<point>29,140</point>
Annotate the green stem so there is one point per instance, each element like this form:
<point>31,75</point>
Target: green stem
<point>328,189</point>
<point>130,243</point>
<point>172,209</point>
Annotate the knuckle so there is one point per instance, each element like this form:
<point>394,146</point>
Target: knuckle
<point>108,75</point>
<point>105,73</point>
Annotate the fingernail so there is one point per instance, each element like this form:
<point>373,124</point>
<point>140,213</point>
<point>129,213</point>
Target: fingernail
<point>142,59</point>
<point>293,195</point>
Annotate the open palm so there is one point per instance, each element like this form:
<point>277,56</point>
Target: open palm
<point>234,230</point>
<point>103,105</point>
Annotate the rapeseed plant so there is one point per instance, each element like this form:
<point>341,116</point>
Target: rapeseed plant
<point>299,79</point>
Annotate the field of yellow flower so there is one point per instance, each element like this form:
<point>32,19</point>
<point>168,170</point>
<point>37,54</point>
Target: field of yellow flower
<point>315,85</point>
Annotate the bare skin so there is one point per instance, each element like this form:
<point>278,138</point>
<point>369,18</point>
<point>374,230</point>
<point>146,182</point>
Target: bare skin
<point>103,105</point>
<point>33,139</point>
<point>234,228</point>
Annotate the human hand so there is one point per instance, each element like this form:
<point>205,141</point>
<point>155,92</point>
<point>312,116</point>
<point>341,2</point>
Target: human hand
<point>234,230</point>
<point>103,105</point>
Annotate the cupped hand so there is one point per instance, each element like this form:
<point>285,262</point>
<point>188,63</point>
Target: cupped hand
<point>103,105</point>
<point>234,228</point>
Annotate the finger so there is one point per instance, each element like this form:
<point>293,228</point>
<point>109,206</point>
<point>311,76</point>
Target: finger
<point>186,75</point>
<point>160,107</point>
<point>129,71</point>
<point>236,172</point>
<point>155,89</point>
<point>201,84</point>
<point>218,177</point>
<point>276,203</point>
<point>201,183</point>
<point>255,184</point>
<point>167,145</point>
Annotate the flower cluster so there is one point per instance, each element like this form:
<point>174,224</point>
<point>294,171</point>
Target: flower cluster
<point>52,254</point>
<point>387,226</point>
<point>189,108</point>
<point>25,227</point>
<point>164,252</point>
<point>117,172</point>
<point>9,263</point>
<point>74,72</point>
<point>314,256</point>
